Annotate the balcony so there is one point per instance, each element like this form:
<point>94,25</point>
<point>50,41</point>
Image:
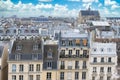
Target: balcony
<point>102,63</point>
<point>74,56</point>
<point>94,73</point>
<point>69,67</point>
<point>84,67</point>
<point>76,67</point>
<point>62,66</point>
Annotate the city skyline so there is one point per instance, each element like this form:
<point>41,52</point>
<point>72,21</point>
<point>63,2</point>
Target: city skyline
<point>57,8</point>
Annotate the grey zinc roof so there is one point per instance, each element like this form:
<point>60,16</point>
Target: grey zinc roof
<point>25,56</point>
<point>74,34</point>
<point>89,12</point>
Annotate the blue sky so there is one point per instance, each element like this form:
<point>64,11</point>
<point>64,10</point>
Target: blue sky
<point>59,8</point>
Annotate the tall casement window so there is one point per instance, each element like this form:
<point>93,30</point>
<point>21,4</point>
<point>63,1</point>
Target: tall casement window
<point>31,67</point>
<point>76,75</point>
<point>70,43</point>
<point>102,59</point>
<point>101,78</point>
<point>94,69</point>
<point>109,59</point>
<point>13,67</point>
<point>108,77</point>
<point>21,67</point>
<point>38,67</point>
<point>37,77</point>
<point>83,75</point>
<point>62,66</point>
<point>63,52</point>
<point>77,53</point>
<point>13,77</point>
<point>30,77</point>
<point>19,47</point>
<point>20,77</point>
<point>109,69</point>
<point>93,78</point>
<point>84,65</point>
<point>49,54</point>
<point>77,42</point>
<point>70,53</point>
<point>76,64</point>
<point>35,47</point>
<point>49,64</point>
<point>85,42</point>
<point>63,43</point>
<point>49,75</point>
<point>94,59</point>
<point>101,69</point>
<point>61,75</point>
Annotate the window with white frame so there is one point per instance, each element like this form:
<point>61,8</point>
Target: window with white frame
<point>19,47</point>
<point>35,47</point>
<point>37,77</point>
<point>21,67</point>
<point>94,49</point>
<point>101,69</point>
<point>49,75</point>
<point>20,77</point>
<point>38,67</point>
<point>13,67</point>
<point>94,69</point>
<point>76,75</point>
<point>102,49</point>
<point>61,75</point>
<point>13,77</point>
<point>109,69</point>
<point>31,67</point>
<point>109,59</point>
<point>30,77</point>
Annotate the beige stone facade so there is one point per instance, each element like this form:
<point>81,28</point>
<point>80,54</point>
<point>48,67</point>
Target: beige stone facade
<point>15,70</point>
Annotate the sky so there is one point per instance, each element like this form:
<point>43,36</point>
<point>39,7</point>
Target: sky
<point>57,8</point>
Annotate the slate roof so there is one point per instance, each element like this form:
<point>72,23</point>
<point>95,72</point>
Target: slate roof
<point>89,13</point>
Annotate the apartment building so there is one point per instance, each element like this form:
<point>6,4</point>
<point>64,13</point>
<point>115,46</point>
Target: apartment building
<point>25,60</point>
<point>103,61</point>
<point>73,56</point>
<point>50,60</point>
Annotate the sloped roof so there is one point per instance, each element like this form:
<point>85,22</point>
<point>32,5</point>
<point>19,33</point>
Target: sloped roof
<point>89,13</point>
<point>100,23</point>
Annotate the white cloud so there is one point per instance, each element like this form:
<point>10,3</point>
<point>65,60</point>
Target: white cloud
<point>7,8</point>
<point>115,6</point>
<point>87,1</point>
<point>45,0</point>
<point>100,4</point>
<point>87,5</point>
<point>105,12</point>
<point>74,0</point>
<point>109,2</point>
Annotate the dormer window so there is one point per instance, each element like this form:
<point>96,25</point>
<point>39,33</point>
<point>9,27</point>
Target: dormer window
<point>102,49</point>
<point>63,43</point>
<point>19,47</point>
<point>35,47</point>
<point>49,54</point>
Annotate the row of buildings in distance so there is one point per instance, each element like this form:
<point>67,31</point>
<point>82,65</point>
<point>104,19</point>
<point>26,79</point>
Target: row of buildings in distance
<point>60,48</point>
